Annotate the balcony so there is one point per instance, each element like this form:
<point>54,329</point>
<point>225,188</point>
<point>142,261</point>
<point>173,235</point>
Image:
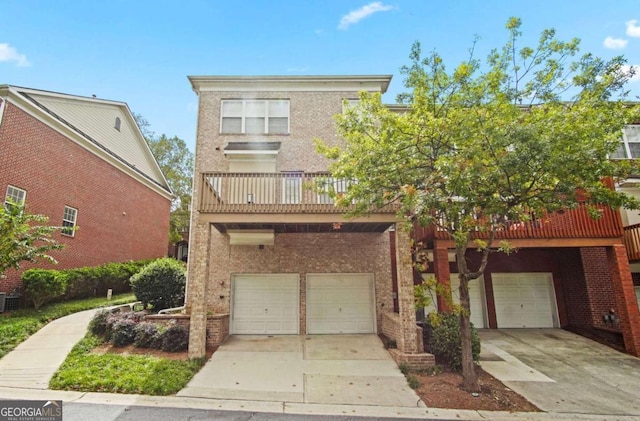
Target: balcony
<point>632,242</point>
<point>287,192</point>
<point>559,227</point>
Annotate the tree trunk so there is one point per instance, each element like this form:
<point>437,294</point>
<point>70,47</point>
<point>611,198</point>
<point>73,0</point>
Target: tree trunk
<point>469,376</point>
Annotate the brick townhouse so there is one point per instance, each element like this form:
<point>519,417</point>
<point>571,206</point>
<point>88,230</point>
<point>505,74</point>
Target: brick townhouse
<point>271,254</point>
<point>83,163</point>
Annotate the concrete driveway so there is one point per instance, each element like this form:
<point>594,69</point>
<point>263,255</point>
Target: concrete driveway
<point>320,369</point>
<point>562,372</point>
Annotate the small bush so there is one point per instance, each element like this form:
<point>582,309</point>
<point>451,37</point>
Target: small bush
<point>123,327</point>
<point>444,340</point>
<point>413,381</point>
<point>147,336</point>
<point>175,339</point>
<point>43,285</point>
<point>160,284</point>
<point>98,325</point>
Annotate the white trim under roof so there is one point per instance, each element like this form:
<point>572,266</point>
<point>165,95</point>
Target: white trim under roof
<point>355,83</point>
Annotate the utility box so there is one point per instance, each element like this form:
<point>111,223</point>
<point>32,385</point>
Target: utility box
<point>3,296</point>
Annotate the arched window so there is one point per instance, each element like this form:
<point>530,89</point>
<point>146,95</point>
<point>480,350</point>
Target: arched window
<point>117,126</point>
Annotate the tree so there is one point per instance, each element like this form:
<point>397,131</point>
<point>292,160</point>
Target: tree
<point>24,237</point>
<point>524,132</point>
<point>176,162</point>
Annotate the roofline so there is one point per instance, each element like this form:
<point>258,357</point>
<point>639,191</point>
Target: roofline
<point>22,97</point>
<point>300,82</point>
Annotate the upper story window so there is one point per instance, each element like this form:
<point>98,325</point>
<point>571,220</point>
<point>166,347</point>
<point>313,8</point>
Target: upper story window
<point>14,196</point>
<point>69,221</point>
<point>255,116</point>
<point>630,145</point>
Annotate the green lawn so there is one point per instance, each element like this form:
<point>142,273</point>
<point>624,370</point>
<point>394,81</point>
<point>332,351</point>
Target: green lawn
<point>17,326</point>
<point>114,373</point>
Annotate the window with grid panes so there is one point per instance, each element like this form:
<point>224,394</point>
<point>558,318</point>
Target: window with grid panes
<point>69,221</point>
<point>630,145</point>
<point>255,116</point>
<point>14,196</point>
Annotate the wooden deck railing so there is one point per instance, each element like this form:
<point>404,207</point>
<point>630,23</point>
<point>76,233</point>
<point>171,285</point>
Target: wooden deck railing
<point>574,223</point>
<point>290,192</point>
<point>632,242</point>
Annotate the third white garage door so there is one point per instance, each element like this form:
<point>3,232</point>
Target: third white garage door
<point>340,303</point>
<point>524,300</point>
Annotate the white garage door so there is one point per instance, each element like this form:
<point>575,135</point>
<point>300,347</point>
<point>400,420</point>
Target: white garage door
<point>524,300</point>
<point>340,303</point>
<point>265,304</point>
<point>476,299</point>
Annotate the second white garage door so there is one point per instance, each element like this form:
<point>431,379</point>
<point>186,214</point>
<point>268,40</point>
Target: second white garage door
<point>340,303</point>
<point>524,300</point>
<point>265,304</point>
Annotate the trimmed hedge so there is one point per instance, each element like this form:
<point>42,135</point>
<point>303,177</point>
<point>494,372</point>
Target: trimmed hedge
<point>86,282</point>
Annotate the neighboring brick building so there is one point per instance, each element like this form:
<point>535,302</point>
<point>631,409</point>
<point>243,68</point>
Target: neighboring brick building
<point>82,161</point>
<point>271,254</point>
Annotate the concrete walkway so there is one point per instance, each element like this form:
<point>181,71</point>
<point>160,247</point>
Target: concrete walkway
<point>32,363</point>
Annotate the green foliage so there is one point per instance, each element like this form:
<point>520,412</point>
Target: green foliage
<point>413,381</point>
<point>122,328</point>
<point>95,281</point>
<point>24,237</point>
<point>112,373</point>
<point>176,162</point>
<point>147,335</point>
<point>445,339</point>
<point>160,284</point>
<point>100,322</point>
<point>43,285</point>
<point>175,338</point>
<point>18,325</point>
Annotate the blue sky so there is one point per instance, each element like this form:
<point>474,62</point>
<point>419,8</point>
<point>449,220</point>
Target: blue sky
<point>141,52</point>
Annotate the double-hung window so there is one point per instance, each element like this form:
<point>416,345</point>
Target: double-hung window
<point>14,197</point>
<point>630,145</point>
<point>69,221</point>
<point>255,116</point>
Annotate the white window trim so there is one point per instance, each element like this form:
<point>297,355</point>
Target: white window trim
<point>625,142</point>
<point>7,196</point>
<point>243,117</point>
<point>72,228</point>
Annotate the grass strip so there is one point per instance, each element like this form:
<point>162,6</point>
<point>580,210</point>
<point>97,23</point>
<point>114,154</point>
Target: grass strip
<point>115,373</point>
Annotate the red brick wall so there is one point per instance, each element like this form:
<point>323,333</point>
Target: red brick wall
<point>574,287</point>
<point>119,219</point>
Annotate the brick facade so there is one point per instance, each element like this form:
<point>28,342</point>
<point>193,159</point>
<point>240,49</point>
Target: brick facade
<point>118,218</point>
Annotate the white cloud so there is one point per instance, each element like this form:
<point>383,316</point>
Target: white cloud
<point>615,43</point>
<point>9,54</point>
<point>356,16</point>
<point>636,68</point>
<point>633,30</point>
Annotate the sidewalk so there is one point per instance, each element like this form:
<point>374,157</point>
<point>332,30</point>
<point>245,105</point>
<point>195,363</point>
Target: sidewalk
<point>32,363</point>
<point>25,373</point>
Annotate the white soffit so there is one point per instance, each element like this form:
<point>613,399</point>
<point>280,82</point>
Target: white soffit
<point>251,237</point>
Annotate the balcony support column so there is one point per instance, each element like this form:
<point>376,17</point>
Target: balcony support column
<point>443,275</point>
<point>625,297</point>
<point>197,277</point>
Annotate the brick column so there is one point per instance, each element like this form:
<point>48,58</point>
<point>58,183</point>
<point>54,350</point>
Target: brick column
<point>625,296</point>
<point>442,274</point>
<point>197,276</point>
<point>407,340</point>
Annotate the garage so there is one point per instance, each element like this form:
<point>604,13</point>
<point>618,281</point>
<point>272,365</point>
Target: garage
<point>265,304</point>
<point>340,303</point>
<point>524,300</point>
<point>476,299</point>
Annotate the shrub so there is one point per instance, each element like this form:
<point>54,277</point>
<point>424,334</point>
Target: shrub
<point>160,284</point>
<point>123,327</point>
<point>43,285</point>
<point>444,340</point>
<point>175,339</point>
<point>147,336</point>
<point>99,323</point>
